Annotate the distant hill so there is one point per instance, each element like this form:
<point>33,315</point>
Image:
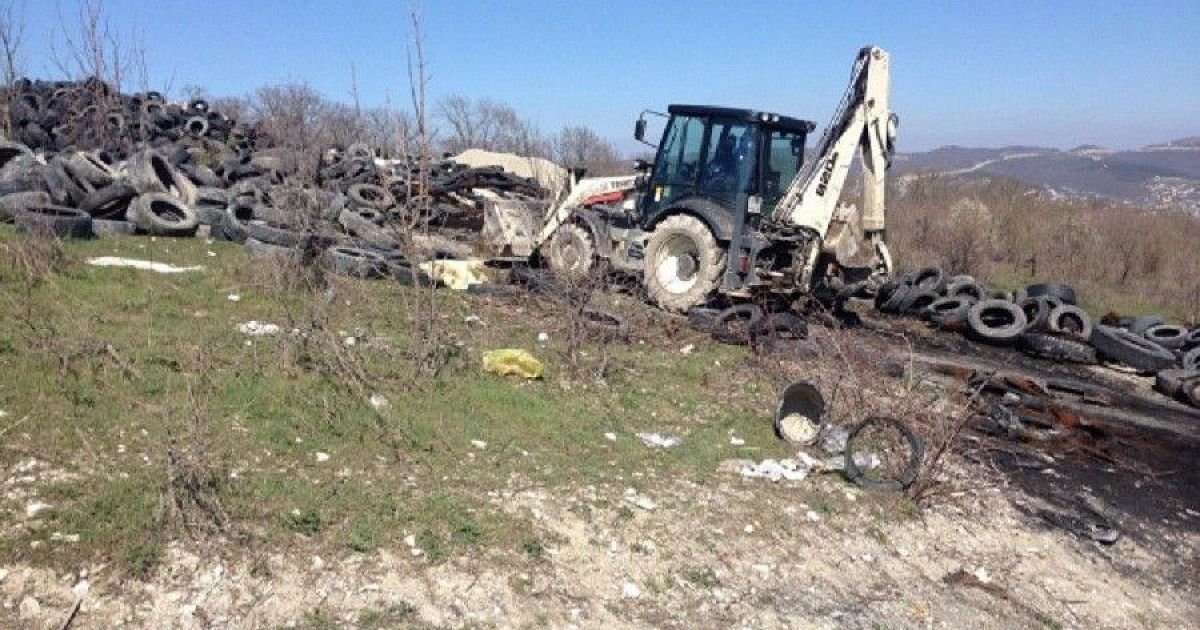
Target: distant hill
<point>1154,175</point>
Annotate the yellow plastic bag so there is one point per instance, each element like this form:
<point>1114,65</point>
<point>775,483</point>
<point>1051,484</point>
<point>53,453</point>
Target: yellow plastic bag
<point>456,274</point>
<point>512,361</point>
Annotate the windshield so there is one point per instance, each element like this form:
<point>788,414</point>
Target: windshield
<point>784,156</point>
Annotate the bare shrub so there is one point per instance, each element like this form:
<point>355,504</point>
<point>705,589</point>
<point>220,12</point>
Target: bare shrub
<point>579,146</point>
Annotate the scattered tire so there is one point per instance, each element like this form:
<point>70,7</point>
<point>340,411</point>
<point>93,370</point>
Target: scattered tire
<point>356,262</point>
<point>110,202</point>
<point>106,227</point>
<point>1141,324</point>
<point>917,300</point>
<point>930,279</point>
<point>966,288</point>
<point>883,453</point>
<point>274,234</point>
<point>1193,339</point>
<point>734,324</point>
<point>604,323</point>
<point>1169,382</point>
<point>949,312</point>
<point>1069,321</point>
<point>275,253</point>
<point>1062,292</point>
<point>494,290</point>
<point>703,318</point>
<point>995,322</point>
<point>1057,348</point>
<point>683,263</point>
<point>163,215</point>
<point>13,203</point>
<point>897,297</point>
<point>777,330</point>
<point>149,172</point>
<point>87,166</point>
<point>885,292</point>
<point>370,196</point>
<point>1037,312</point>
<point>52,220</point>
<point>1123,346</point>
<point>1169,336</point>
<point>1191,359</point>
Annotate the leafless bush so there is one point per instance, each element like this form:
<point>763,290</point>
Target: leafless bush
<point>580,146</point>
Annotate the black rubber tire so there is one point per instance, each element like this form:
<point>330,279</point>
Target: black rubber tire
<point>1193,339</point>
<point>702,318</point>
<point>930,279</point>
<point>1191,359</point>
<point>1069,321</point>
<point>356,262</point>
<point>65,188</point>
<point>897,297</point>
<point>163,215</point>
<point>1057,348</point>
<point>149,172</point>
<point>494,290</point>
<point>53,220</point>
<point>776,330</point>
<point>88,167</point>
<point>1037,312</point>
<point>11,150</point>
<point>949,312</point>
<point>258,249</point>
<point>886,290</point>
<point>202,176</point>
<point>274,234</point>
<point>605,324</point>
<point>1064,293</point>
<point>102,227</point>
<point>995,321</point>
<point>969,288</point>
<point>709,262</point>
<point>722,330</point>
<point>911,469</point>
<point>370,196</point>
<point>13,203</point>
<point>407,275</point>
<point>1191,391</point>
<point>198,105</point>
<point>109,202</point>
<point>1141,324</point>
<point>196,126</point>
<point>571,252</point>
<point>1169,336</point>
<point>917,300</point>
<point>1169,382</point>
<point>1123,346</point>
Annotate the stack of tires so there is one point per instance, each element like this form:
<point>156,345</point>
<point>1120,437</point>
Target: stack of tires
<point>1044,321</point>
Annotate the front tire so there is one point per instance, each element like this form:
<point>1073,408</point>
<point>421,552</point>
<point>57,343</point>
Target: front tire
<point>683,263</point>
<point>571,253</point>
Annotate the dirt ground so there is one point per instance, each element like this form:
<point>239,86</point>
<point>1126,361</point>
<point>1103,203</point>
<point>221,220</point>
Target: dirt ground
<point>739,552</point>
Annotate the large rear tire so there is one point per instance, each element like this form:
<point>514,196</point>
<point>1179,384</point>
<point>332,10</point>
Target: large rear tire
<point>571,253</point>
<point>683,263</point>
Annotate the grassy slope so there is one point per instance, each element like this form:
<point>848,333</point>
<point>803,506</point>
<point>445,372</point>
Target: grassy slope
<point>251,416</point>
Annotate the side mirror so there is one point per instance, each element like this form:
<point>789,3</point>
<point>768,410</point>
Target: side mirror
<point>641,165</point>
<point>639,129</point>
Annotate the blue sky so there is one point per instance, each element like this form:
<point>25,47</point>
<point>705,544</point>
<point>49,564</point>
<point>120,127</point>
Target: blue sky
<point>1057,73</point>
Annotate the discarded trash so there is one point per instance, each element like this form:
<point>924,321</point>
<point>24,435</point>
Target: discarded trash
<point>894,450</point>
<point>736,441</point>
<point>456,274</point>
<point>543,337</point>
<point>833,439</point>
<point>610,436</point>
<point>800,414</point>
<point>233,297</point>
<point>377,401</point>
<point>146,265</point>
<point>254,327</point>
<point>658,440</point>
<point>686,350</point>
<point>322,457</point>
<point>631,590</point>
<point>512,361</point>
<point>776,470</point>
<point>479,444</point>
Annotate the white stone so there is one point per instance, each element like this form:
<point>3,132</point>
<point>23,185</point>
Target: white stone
<point>233,297</point>
<point>736,441</point>
<point>479,444</point>
<point>631,590</point>
<point>610,436</point>
<point>322,457</point>
<point>35,508</point>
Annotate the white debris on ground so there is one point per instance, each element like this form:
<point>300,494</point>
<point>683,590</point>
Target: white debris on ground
<point>776,470</point>
<point>145,265</point>
<point>736,441</point>
<point>479,444</point>
<point>658,440</point>
<point>377,401</point>
<point>254,327</point>
<point>549,175</point>
<point>639,500</point>
<point>610,436</point>
<point>233,297</point>
<point>631,591</point>
<point>543,337</point>
<point>322,457</point>
<point>686,350</point>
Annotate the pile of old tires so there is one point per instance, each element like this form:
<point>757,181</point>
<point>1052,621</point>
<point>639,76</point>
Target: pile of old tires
<point>87,160</point>
<point>1044,321</point>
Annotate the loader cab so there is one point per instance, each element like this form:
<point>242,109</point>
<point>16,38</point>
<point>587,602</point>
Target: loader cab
<point>719,157</point>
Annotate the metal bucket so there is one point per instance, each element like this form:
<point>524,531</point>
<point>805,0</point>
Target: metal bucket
<point>800,414</point>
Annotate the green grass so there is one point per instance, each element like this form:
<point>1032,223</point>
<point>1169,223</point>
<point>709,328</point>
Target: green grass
<point>109,369</point>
